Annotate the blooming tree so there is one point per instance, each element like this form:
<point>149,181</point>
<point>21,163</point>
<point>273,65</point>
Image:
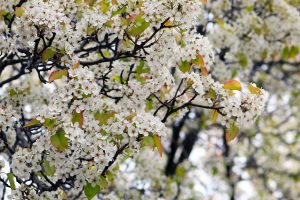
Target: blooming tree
<point>265,161</point>
<point>258,41</point>
<point>89,87</point>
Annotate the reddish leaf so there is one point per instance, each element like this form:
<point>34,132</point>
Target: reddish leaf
<point>231,132</point>
<point>57,75</point>
<point>204,71</point>
<point>76,65</point>
<point>199,61</point>
<point>232,85</point>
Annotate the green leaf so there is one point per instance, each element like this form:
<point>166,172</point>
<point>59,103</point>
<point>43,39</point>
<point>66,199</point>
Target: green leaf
<point>8,18</point>
<point>233,73</point>
<point>149,104</point>
<point>91,191</point>
<point>140,78</point>
<point>32,122</point>
<point>90,30</point>
<point>253,89</point>
<point>288,53</point>
<point>106,54</point>
<point>231,132</point>
<point>78,117</point>
<point>264,54</point>
<point>11,180</point>
<point>140,69</point>
<point>214,116</point>
<point>140,26</point>
<point>103,182</point>
<point>49,123</point>
<point>257,30</point>
<point>153,141</point>
<point>103,117</point>
<point>158,144</point>
<point>294,3</point>
<point>12,92</point>
<point>285,53</point>
<point>48,53</point>
<point>91,3</point>
<point>250,8</point>
<point>148,141</point>
<point>180,171</point>
<point>2,13</point>
<point>48,169</point>
<point>243,60</point>
<point>55,75</point>
<point>118,79</point>
<point>215,171</point>
<point>185,66</point>
<point>104,4</point>
<point>203,121</point>
<point>19,11</point>
<point>211,94</point>
<point>182,43</point>
<point>110,176</point>
<point>119,11</point>
<point>86,95</point>
<point>220,22</point>
<point>59,140</point>
<point>294,51</point>
<point>168,23</point>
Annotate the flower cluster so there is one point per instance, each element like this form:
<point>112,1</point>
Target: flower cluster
<point>236,105</point>
<point>253,38</point>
